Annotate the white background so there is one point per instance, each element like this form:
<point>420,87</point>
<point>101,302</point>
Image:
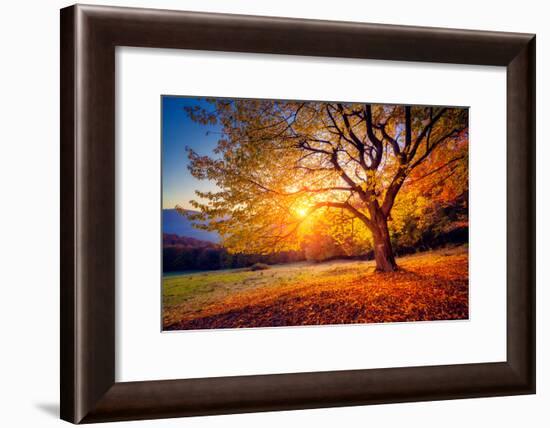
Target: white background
<point>144,74</point>
<point>29,176</point>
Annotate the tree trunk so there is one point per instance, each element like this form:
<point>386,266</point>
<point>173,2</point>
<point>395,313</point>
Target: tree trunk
<point>383,252</point>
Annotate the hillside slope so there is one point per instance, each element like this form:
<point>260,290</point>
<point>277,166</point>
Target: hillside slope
<point>175,223</point>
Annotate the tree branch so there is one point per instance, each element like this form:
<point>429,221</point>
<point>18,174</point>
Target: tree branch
<point>411,154</point>
<point>446,164</point>
<point>430,149</point>
<point>346,206</point>
<point>393,142</point>
<point>376,142</point>
<point>408,128</point>
<point>393,189</point>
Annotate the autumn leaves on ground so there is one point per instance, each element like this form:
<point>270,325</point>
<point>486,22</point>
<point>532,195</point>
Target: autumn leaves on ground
<point>428,286</point>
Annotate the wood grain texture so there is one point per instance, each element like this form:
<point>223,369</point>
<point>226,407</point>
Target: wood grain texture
<point>89,35</point>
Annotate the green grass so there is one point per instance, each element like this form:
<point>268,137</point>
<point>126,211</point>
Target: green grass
<point>200,288</point>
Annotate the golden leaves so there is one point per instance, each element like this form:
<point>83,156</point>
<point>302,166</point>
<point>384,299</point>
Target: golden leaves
<point>428,286</point>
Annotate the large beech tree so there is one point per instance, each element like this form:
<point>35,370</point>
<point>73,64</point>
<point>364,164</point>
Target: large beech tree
<point>279,163</point>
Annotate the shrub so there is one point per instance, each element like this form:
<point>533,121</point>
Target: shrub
<point>259,266</point>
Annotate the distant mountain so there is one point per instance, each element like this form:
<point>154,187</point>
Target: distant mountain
<point>173,240</point>
<point>175,223</point>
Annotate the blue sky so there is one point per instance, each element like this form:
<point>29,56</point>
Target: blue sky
<point>178,132</point>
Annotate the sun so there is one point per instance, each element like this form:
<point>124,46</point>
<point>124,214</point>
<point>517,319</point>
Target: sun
<point>302,212</point>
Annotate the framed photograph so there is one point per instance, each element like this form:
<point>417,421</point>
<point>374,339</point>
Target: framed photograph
<point>267,213</point>
<point>289,209</point>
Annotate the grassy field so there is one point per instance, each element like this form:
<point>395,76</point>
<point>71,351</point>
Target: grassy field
<point>428,286</point>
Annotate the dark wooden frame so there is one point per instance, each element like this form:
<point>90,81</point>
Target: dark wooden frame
<point>89,35</point>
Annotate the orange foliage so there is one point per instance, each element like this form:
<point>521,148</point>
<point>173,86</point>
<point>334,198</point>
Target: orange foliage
<point>426,288</point>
